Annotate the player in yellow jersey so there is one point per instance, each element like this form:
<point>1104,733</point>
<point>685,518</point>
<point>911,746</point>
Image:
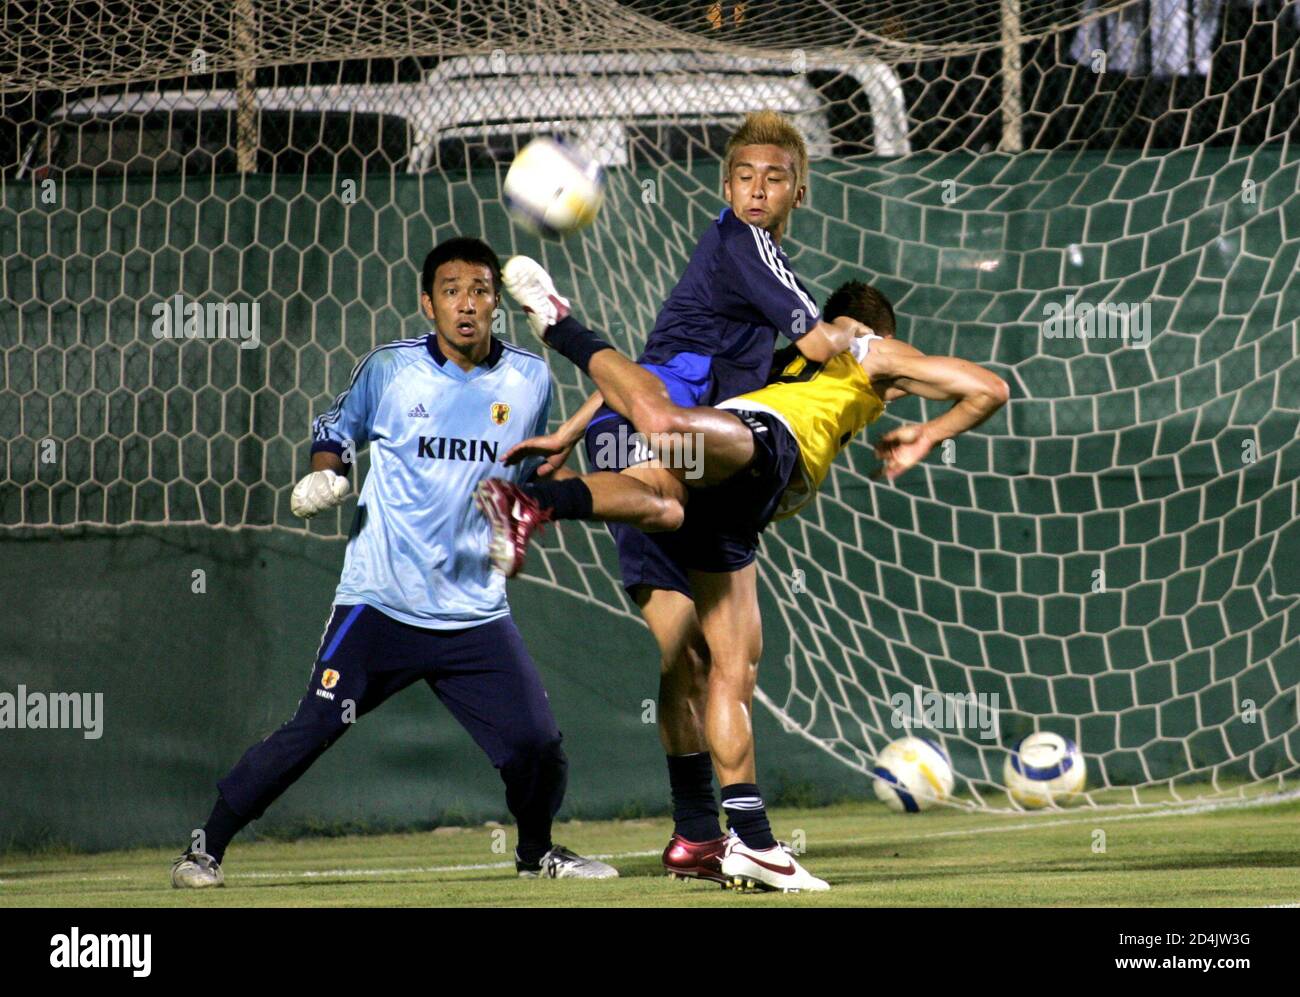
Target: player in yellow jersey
<point>821,406</point>
<point>765,453</point>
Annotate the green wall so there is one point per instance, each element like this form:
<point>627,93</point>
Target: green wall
<point>191,680</point>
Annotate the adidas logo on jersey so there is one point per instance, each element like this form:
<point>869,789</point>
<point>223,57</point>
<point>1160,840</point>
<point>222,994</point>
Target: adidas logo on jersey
<point>418,412</point>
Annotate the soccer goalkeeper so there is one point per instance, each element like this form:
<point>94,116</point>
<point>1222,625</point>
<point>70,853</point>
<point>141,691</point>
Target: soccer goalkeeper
<point>417,600</point>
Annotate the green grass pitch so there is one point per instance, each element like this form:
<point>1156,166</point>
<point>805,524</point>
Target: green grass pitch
<point>1234,856</point>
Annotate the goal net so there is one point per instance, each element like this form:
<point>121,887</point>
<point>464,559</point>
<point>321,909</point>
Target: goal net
<point>214,209</point>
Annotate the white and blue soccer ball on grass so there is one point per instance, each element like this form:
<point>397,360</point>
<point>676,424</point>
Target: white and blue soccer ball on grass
<point>912,774</point>
<point>553,189</point>
<point>1043,770</point>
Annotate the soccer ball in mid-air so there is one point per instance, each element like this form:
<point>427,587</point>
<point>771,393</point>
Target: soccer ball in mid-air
<point>553,189</point>
<point>912,774</point>
<point>1044,769</point>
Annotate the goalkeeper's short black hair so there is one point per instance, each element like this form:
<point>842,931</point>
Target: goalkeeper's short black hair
<point>460,249</point>
<point>862,303</point>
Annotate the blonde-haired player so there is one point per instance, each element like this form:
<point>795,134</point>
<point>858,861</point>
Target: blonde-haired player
<point>713,338</point>
<point>765,454</point>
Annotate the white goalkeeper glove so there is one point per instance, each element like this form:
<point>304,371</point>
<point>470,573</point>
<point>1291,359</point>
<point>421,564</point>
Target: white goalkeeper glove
<point>318,491</point>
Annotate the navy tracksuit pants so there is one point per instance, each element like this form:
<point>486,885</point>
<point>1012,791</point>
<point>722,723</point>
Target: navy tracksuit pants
<point>483,674</point>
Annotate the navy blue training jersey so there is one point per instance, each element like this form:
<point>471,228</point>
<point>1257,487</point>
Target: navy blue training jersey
<point>737,293</point>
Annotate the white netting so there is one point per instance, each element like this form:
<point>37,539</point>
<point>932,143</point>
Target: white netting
<point>980,162</point>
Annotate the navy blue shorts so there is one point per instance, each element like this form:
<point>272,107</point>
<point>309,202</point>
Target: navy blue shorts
<point>651,559</point>
<point>723,522</point>
<point>613,443</point>
<point>483,674</point>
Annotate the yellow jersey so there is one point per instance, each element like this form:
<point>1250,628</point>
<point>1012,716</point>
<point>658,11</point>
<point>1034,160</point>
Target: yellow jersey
<point>823,405</point>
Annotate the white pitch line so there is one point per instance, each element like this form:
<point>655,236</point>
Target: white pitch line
<point>1084,818</point>
<point>38,877</point>
<point>473,867</point>
<point>328,873</point>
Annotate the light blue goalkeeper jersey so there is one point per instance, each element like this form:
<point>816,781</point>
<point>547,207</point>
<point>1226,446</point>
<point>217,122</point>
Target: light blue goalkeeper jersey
<point>419,548</point>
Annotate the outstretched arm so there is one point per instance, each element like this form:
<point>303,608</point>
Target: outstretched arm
<point>555,447</point>
<point>978,393</point>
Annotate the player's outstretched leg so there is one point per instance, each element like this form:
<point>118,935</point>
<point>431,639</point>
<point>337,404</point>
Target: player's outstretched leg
<point>516,512</point>
<point>531,286</point>
<point>629,389</point>
<point>719,437</point>
<point>650,496</point>
<point>514,517</point>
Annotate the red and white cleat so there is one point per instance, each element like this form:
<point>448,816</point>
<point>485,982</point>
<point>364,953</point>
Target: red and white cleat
<point>531,286</point>
<point>514,517</point>
<point>684,859</point>
<point>767,869</point>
